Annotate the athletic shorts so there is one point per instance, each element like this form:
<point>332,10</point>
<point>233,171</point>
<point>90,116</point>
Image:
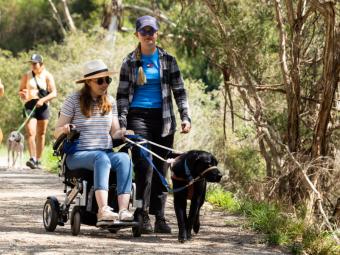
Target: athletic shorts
<point>40,113</point>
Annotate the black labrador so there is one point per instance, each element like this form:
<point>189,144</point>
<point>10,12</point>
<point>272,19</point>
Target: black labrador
<point>190,173</point>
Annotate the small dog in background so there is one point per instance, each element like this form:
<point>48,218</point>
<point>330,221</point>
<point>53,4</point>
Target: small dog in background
<point>15,147</point>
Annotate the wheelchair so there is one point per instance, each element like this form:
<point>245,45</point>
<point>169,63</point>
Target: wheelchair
<point>79,195</point>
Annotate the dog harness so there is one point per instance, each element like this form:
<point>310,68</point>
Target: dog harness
<point>190,182</point>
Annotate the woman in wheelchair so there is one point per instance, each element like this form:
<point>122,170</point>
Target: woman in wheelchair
<point>93,113</point>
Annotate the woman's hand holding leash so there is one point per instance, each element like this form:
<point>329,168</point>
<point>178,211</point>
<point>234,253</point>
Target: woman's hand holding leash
<point>125,132</point>
<point>186,126</point>
<point>40,103</point>
<point>67,128</point>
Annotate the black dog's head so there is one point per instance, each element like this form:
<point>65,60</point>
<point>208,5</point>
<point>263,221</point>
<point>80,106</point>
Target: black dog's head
<point>196,163</point>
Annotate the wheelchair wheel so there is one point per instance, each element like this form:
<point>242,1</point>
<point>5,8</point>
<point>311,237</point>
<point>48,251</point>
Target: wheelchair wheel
<point>137,230</point>
<point>50,214</point>
<point>75,221</point>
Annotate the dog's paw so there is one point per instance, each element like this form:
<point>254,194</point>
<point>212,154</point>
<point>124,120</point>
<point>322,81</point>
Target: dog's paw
<point>196,227</point>
<point>182,236</point>
<point>182,240</point>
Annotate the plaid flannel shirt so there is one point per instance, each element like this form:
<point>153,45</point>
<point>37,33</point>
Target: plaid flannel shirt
<point>171,80</point>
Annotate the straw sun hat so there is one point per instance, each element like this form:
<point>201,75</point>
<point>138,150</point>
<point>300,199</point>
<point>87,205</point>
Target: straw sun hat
<point>94,69</point>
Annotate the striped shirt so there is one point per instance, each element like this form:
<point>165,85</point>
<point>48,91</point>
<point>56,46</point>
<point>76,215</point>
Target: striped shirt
<point>94,131</point>
<point>171,81</point>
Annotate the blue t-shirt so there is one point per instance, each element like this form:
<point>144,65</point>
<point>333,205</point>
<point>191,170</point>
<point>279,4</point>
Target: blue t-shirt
<point>149,95</point>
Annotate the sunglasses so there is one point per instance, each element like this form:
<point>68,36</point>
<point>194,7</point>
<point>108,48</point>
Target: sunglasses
<point>107,79</point>
<point>148,31</point>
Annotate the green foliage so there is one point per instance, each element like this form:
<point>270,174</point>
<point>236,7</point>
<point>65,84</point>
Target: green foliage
<point>87,14</point>
<point>286,229</point>
<point>248,32</point>
<point>49,161</point>
<point>269,219</point>
<point>24,25</point>
<point>216,195</point>
<point>279,227</point>
<point>65,62</point>
<point>206,121</point>
<point>318,243</point>
<point>245,164</point>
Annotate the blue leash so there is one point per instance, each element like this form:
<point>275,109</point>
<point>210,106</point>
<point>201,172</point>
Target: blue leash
<point>162,178</point>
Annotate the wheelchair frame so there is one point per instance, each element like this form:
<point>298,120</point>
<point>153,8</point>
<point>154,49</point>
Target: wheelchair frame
<point>80,195</point>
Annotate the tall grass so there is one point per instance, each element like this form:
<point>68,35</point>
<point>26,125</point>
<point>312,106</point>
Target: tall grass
<point>279,227</point>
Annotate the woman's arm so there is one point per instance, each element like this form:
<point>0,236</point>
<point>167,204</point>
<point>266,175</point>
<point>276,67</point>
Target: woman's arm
<point>51,89</point>
<point>23,93</point>
<point>177,86</point>
<point>62,126</point>
<point>123,93</point>
<point>2,89</point>
<point>116,131</point>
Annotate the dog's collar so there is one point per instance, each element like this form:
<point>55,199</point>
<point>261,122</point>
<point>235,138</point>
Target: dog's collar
<point>188,172</point>
<point>191,180</point>
<point>175,177</point>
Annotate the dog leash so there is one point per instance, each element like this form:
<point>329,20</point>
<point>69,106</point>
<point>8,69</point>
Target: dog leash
<point>127,138</point>
<point>163,180</point>
<point>27,118</point>
<point>143,152</point>
<point>193,180</point>
<point>166,184</point>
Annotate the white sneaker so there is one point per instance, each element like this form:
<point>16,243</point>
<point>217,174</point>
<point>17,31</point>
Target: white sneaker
<point>106,213</point>
<point>125,215</point>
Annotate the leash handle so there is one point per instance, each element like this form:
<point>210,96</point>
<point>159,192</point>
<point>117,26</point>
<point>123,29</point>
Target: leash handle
<point>166,148</point>
<point>153,143</point>
<point>142,147</point>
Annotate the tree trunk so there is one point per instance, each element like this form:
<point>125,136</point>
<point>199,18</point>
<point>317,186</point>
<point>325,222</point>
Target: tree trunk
<point>267,158</point>
<point>227,96</point>
<point>330,78</point>
<point>68,17</point>
<point>291,74</point>
<point>112,19</point>
<point>57,17</point>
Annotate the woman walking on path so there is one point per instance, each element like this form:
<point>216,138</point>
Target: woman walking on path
<point>37,88</point>
<point>2,92</point>
<point>2,89</point>
<point>148,76</point>
<point>92,112</point>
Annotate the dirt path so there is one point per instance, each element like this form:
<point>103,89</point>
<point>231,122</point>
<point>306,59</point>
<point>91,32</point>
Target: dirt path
<point>22,196</point>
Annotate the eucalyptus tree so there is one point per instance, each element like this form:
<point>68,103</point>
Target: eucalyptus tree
<point>288,48</point>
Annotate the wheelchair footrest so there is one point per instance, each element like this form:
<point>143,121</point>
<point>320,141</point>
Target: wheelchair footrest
<point>116,224</point>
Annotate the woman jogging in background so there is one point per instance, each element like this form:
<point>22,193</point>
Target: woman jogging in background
<point>37,88</point>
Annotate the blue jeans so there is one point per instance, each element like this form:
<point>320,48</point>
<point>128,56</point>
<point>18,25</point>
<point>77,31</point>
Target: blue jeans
<point>101,163</point>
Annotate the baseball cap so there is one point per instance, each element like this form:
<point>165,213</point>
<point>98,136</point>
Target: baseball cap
<point>146,21</point>
<point>36,58</point>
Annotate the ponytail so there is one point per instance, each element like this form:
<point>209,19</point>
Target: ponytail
<point>141,78</point>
